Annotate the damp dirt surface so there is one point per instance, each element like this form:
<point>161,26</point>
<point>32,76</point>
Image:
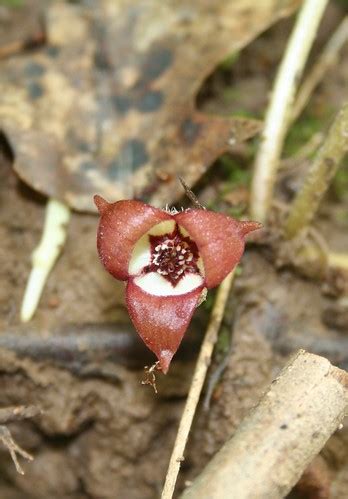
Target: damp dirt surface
<point>102,434</point>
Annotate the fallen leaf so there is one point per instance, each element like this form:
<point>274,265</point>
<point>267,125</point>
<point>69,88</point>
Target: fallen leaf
<point>108,105</point>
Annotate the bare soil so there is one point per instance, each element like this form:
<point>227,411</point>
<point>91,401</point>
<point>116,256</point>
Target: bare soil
<point>104,435</point>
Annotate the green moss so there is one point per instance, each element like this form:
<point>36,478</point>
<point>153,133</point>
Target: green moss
<point>301,132</point>
<point>233,172</point>
<point>233,175</point>
<point>343,3</point>
<point>209,301</point>
<point>340,183</point>
<point>12,3</point>
<point>223,341</point>
<point>236,211</point>
<point>238,271</point>
<point>243,113</point>
<point>229,62</point>
<point>230,94</point>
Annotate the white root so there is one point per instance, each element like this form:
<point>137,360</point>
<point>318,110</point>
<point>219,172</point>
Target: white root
<point>45,255</point>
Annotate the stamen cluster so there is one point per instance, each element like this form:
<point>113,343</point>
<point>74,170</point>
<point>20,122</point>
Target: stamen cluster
<point>173,255</point>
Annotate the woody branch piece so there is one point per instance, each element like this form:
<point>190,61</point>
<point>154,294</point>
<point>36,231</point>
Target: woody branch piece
<point>277,440</point>
<point>319,177</point>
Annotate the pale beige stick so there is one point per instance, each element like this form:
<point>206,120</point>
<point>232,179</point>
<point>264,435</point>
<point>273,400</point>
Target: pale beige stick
<point>339,260</point>
<point>319,176</point>
<point>277,440</point>
<point>328,58</point>
<point>196,386</point>
<point>280,107</point>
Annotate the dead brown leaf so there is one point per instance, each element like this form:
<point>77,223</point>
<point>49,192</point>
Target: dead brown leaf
<point>108,105</point>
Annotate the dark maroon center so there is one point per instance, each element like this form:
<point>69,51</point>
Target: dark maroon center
<point>173,255</point>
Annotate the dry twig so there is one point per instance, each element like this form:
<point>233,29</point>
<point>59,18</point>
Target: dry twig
<point>17,413</point>
<point>196,387</point>
<point>327,59</point>
<point>280,437</point>
<point>280,107</point>
<point>150,376</point>
<point>192,197</point>
<point>8,415</point>
<point>14,449</point>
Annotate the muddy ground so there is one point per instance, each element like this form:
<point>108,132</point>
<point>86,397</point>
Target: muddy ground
<point>104,435</point>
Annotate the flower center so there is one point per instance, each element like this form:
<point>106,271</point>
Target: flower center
<point>173,255</point>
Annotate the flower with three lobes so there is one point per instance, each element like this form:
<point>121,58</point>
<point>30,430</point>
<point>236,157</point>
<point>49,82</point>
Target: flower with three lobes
<point>168,262</point>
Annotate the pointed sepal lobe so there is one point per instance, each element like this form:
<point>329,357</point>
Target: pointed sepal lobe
<point>161,321</point>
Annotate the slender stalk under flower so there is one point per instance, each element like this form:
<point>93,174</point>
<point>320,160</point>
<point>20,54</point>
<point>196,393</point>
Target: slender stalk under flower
<point>280,108</point>
<point>319,176</point>
<point>197,383</point>
<point>45,255</point>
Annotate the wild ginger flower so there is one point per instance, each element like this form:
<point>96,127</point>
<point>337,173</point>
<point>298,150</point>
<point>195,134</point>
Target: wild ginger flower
<point>168,261</point>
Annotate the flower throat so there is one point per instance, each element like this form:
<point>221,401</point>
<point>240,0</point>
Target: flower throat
<point>173,255</point>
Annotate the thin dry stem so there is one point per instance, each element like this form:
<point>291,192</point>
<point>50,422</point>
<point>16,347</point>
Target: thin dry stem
<point>196,386</point>
<point>328,58</point>
<point>14,449</point>
<point>192,197</point>
<point>150,376</point>
<point>319,176</point>
<point>280,107</point>
<point>17,413</point>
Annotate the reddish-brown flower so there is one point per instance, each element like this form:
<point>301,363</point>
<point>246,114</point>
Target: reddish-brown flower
<point>168,261</point>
